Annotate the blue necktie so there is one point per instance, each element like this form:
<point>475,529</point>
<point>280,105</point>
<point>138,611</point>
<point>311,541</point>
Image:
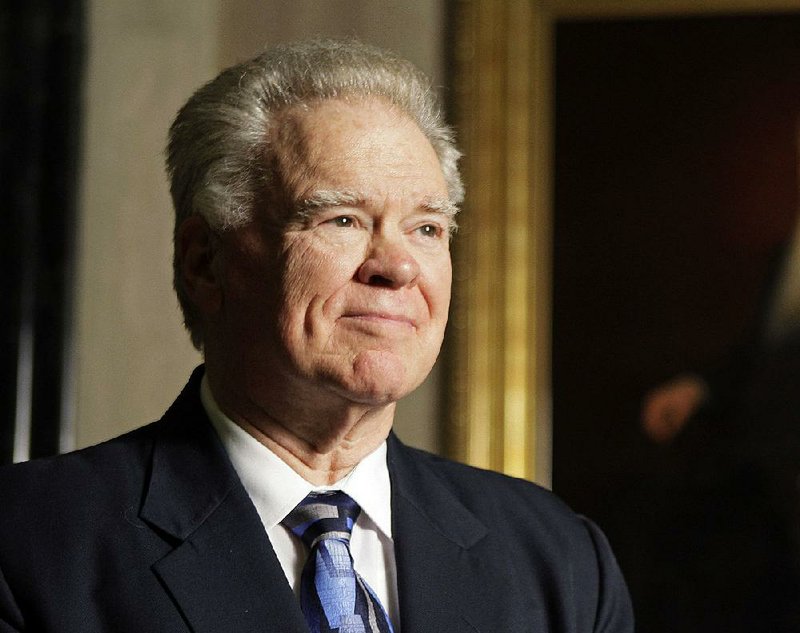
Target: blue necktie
<point>334,598</point>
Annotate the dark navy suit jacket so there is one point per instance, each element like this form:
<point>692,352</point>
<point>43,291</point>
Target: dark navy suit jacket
<point>153,532</point>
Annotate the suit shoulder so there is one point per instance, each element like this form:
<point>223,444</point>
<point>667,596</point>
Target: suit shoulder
<point>472,483</point>
<point>539,538</point>
<point>519,509</point>
<point>79,473</point>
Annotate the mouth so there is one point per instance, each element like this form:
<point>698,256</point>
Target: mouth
<point>380,319</point>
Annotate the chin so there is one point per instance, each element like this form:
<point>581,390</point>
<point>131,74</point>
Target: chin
<point>379,378</point>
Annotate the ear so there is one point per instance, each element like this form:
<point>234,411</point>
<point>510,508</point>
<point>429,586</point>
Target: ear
<point>197,248</point>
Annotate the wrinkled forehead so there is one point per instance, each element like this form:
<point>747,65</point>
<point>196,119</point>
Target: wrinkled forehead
<point>357,144</point>
<point>327,128</point>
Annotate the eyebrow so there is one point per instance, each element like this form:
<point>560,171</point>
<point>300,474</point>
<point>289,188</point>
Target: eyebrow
<point>331,198</point>
<point>441,205</point>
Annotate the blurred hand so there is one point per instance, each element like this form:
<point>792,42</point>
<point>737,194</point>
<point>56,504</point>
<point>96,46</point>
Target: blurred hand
<point>667,408</point>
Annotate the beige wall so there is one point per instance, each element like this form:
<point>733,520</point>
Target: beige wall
<point>413,28</point>
<point>146,57</point>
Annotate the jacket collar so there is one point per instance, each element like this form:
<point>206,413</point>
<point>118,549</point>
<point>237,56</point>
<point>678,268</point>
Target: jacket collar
<point>223,573</point>
<point>414,485</point>
<point>451,575</point>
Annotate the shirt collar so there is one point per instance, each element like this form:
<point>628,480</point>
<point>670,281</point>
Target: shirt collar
<point>276,489</point>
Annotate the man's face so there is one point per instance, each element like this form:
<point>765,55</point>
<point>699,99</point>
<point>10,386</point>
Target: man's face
<point>342,285</point>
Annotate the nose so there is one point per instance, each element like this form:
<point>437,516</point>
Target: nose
<point>388,264</point>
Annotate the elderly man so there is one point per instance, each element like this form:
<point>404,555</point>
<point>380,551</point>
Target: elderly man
<point>315,190</point>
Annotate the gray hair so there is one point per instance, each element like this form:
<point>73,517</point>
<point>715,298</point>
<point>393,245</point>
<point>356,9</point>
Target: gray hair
<point>218,156</point>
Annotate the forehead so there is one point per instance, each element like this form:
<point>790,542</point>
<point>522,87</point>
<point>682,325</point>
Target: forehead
<point>364,145</point>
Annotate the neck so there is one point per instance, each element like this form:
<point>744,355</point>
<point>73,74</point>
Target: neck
<point>322,444</point>
<point>321,459</point>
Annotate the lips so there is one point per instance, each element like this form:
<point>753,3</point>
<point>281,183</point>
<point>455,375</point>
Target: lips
<point>387,318</point>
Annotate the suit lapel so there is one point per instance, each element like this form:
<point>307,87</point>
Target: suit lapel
<point>449,578</point>
<point>223,573</point>
<point>225,576</point>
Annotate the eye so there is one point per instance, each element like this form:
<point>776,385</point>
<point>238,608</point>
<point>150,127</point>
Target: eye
<point>429,230</point>
<point>343,222</point>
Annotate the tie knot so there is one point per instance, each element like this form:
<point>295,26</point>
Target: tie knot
<point>323,515</point>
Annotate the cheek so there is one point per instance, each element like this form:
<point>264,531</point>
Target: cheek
<point>313,274</point>
<point>439,287</point>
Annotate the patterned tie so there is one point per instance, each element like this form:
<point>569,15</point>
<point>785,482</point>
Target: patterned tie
<point>334,598</point>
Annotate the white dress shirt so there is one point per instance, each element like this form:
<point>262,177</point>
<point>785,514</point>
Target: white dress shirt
<point>276,489</point>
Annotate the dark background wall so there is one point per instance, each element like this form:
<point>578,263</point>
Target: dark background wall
<point>675,189</point>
